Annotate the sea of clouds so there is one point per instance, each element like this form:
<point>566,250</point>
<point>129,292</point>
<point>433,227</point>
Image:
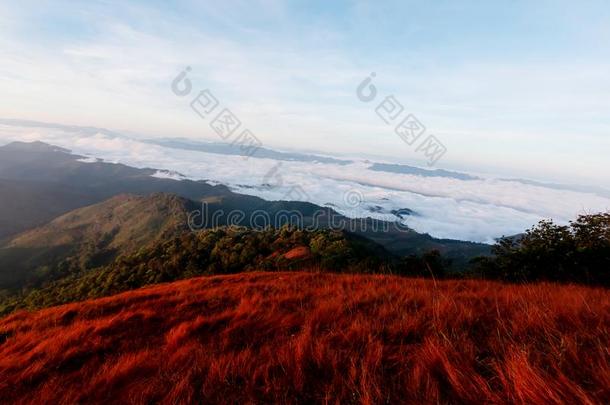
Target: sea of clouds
<point>475,210</point>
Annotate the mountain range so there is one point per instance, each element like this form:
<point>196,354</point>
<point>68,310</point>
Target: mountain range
<point>444,203</point>
<point>66,215</point>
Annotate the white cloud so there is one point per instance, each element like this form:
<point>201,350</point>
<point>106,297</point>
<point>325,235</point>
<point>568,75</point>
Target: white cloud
<point>477,210</point>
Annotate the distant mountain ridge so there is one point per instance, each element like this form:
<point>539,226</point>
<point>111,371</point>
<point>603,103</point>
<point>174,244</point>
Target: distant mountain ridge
<point>230,149</point>
<point>416,171</point>
<point>600,191</point>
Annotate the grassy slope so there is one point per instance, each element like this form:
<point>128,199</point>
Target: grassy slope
<point>303,337</point>
<point>92,236</point>
<point>124,221</point>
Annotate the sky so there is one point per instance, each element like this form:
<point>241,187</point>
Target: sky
<point>515,88</point>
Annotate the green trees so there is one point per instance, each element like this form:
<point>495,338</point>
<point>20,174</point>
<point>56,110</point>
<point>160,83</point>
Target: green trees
<point>578,252</point>
<point>430,264</point>
<point>224,250</point>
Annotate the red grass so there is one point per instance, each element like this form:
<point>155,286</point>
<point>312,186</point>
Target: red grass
<point>304,337</point>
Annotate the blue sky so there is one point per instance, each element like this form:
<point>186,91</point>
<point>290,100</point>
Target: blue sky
<point>517,88</point>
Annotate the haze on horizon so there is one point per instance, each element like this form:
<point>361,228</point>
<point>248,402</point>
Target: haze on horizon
<point>518,89</point>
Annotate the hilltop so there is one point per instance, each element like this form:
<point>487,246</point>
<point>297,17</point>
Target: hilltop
<point>314,338</point>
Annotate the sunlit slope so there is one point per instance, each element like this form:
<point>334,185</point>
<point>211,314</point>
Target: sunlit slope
<point>313,338</point>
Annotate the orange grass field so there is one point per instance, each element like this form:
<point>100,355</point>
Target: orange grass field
<point>314,338</point>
